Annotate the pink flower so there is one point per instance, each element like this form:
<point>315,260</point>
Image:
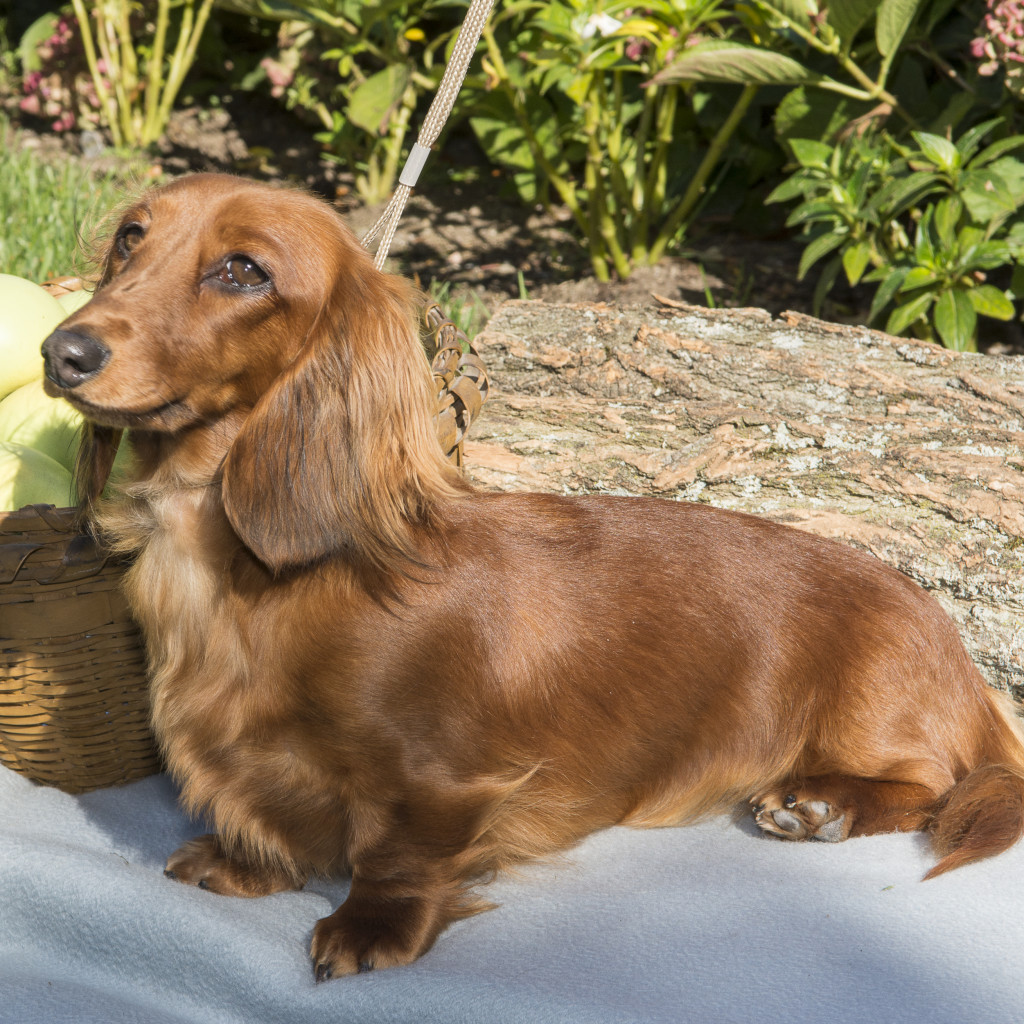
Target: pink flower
<point>635,48</point>
<point>278,75</point>
<point>1000,42</point>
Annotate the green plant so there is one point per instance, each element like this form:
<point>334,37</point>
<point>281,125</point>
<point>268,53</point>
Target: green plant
<point>929,225</point>
<point>7,57</point>
<point>462,306</point>
<point>566,104</point>
<point>999,44</point>
<point>855,58</point>
<point>362,70</point>
<point>46,208</point>
<point>135,74</point>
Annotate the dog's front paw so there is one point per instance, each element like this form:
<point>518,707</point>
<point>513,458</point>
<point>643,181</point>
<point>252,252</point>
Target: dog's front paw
<point>382,924</point>
<point>204,862</point>
<point>352,942</point>
<point>793,813</point>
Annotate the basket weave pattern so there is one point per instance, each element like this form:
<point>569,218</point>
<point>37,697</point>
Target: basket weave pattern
<point>74,706</point>
<point>74,697</point>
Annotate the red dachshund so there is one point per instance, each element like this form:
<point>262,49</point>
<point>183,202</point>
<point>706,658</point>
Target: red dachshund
<point>303,552</point>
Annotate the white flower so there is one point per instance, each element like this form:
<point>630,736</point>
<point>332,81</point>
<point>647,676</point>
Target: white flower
<point>603,23</point>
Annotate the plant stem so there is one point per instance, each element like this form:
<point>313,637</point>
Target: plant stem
<point>874,90</point>
<point>603,232</point>
<point>151,122</point>
<point>656,179</point>
<point>685,207</point>
<point>609,127</point>
<point>640,224</point>
<point>106,101</point>
<point>564,188</point>
<point>396,137</point>
<point>184,54</point>
<point>107,43</point>
<point>131,123</point>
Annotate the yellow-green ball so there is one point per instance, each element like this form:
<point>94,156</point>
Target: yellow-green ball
<point>28,477</point>
<point>30,417</point>
<point>28,314</point>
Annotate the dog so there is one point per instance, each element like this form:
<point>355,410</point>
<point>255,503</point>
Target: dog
<point>302,551</point>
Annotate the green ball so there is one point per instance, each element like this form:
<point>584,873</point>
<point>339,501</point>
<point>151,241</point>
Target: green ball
<point>28,314</point>
<point>30,417</point>
<point>71,301</point>
<point>28,477</point>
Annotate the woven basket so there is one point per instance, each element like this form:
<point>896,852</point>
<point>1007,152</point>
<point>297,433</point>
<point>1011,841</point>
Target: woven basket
<point>74,699</point>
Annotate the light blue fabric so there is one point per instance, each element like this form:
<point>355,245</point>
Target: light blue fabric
<point>712,924</point>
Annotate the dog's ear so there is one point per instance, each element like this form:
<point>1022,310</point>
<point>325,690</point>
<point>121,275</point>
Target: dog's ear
<point>341,455</point>
<point>95,459</point>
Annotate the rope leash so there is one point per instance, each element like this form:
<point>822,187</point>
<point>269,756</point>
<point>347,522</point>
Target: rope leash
<point>437,115</point>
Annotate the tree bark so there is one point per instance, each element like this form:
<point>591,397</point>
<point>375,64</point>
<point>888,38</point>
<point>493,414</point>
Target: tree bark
<point>899,447</point>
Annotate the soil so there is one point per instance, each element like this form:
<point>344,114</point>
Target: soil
<point>464,230</point>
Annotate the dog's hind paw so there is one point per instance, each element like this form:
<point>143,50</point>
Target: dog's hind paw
<point>795,814</point>
<point>203,862</point>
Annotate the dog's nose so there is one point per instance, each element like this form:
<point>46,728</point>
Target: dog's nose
<point>71,358</point>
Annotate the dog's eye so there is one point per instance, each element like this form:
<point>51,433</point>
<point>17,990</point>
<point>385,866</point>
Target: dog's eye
<point>242,272</point>
<point>128,239</point>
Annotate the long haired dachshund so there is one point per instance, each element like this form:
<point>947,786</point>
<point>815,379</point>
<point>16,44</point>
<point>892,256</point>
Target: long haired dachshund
<point>302,550</point>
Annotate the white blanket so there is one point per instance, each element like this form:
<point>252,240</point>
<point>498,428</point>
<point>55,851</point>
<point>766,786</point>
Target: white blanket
<point>711,924</point>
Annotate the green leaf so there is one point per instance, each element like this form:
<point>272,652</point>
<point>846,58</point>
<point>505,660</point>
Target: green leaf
<point>902,193</point>
<point>1017,281</point>
<point>372,102</point>
<point>891,23</point>
<point>989,255</point>
<point>28,47</point>
<point>821,246</point>
<point>995,191</point>
<point>721,61</point>
<point>924,248</point>
<point>969,142</point>
<point>847,17</point>
<point>815,210</point>
<point>947,215</point>
<point>1014,241</point>
<point>904,315</point>
<point>857,186</point>
<point>792,188</point>
<point>955,320</point>
<point>988,300</point>
<point>281,10</point>
<point>811,153</point>
<point>797,12</point>
<point>887,290</point>
<point>938,150</point>
<point>998,149</point>
<point>917,277</point>
<point>809,113</point>
<point>855,261</point>
<point>827,278</point>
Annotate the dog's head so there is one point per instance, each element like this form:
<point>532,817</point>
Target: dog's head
<point>251,313</point>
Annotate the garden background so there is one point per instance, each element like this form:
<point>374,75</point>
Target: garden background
<point>860,160</point>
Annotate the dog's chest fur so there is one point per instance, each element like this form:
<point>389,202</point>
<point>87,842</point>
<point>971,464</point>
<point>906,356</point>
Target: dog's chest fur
<point>225,722</point>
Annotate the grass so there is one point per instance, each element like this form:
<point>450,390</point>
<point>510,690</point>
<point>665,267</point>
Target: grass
<point>462,306</point>
<point>50,208</point>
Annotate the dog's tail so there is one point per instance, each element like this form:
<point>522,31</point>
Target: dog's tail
<point>983,814</point>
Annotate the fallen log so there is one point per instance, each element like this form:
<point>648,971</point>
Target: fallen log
<point>899,447</point>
